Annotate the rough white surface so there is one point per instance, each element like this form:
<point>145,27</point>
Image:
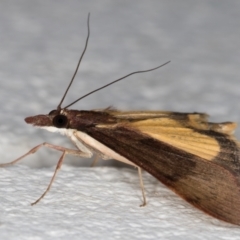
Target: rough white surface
<point>98,203</point>
<point>40,45</point>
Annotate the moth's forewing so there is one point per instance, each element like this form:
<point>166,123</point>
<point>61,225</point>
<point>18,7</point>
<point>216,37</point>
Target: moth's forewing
<point>197,159</point>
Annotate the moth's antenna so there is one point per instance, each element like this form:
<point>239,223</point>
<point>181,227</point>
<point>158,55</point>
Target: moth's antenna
<point>114,82</point>
<point>85,48</point>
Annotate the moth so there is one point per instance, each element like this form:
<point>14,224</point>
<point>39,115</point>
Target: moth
<point>197,159</point>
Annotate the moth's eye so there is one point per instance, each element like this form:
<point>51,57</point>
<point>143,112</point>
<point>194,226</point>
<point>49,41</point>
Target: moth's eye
<point>60,121</point>
<point>52,112</point>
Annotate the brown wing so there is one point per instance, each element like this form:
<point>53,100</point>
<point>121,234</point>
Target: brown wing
<point>198,160</point>
<point>187,131</point>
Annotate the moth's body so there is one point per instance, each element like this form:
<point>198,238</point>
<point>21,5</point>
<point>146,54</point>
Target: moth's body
<point>197,159</point>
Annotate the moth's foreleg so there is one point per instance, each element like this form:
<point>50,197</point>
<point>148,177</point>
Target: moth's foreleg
<point>48,145</point>
<point>59,164</point>
<point>142,187</point>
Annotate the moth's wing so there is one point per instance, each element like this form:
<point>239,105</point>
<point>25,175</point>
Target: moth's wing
<point>190,132</point>
<point>193,135</point>
<point>143,115</point>
<point>199,163</point>
<point>140,115</point>
<point>194,120</point>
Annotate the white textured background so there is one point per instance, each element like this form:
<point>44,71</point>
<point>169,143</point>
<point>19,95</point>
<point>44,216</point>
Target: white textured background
<point>40,43</point>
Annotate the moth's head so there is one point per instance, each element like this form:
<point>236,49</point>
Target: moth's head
<point>56,118</point>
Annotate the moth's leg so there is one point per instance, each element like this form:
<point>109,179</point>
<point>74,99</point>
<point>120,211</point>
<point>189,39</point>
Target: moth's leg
<point>142,187</point>
<point>95,160</point>
<point>48,145</point>
<point>96,155</point>
<point>59,164</point>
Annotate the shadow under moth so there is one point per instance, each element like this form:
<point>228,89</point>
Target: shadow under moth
<point>197,159</point>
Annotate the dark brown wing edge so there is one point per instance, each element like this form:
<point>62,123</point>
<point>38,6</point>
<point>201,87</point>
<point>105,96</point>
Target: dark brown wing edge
<point>211,186</point>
